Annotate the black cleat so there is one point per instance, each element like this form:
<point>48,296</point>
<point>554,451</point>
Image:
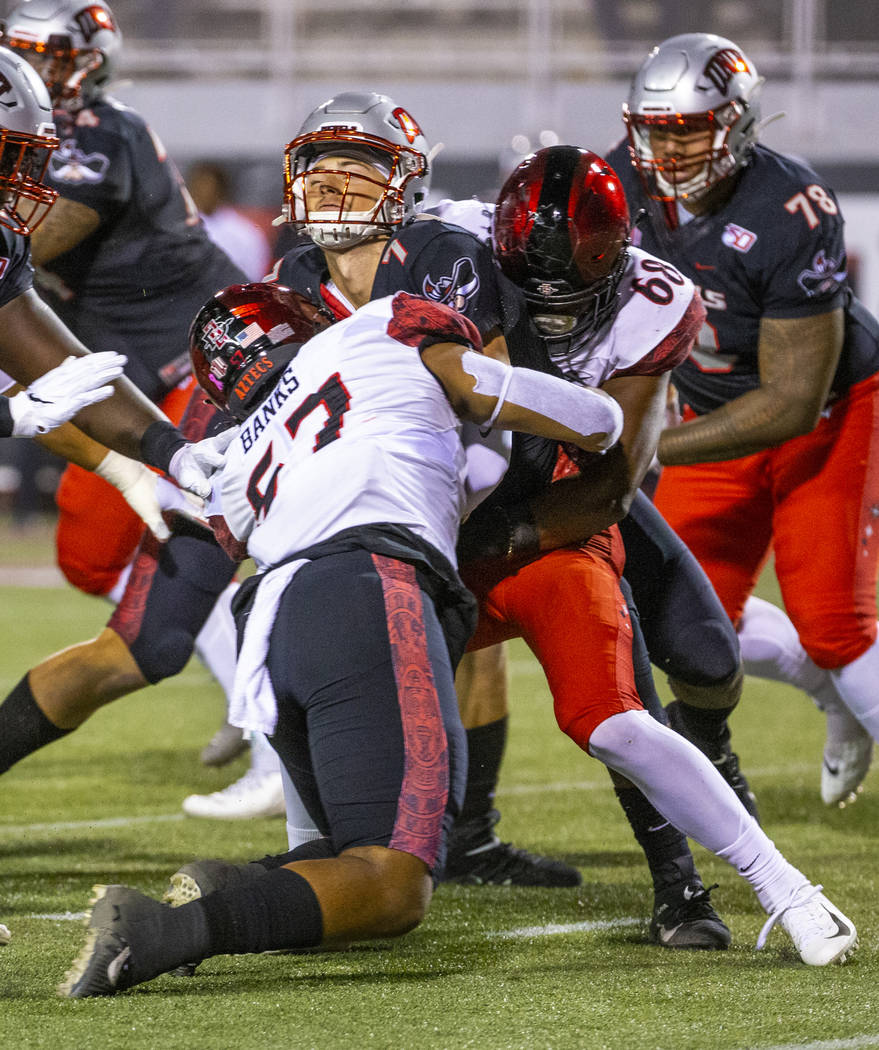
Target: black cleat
<point>481,859</point>
<point>720,754</point>
<point>109,962</point>
<point>683,918</point>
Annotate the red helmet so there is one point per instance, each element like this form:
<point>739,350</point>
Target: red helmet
<point>245,335</point>
<point>561,230</point>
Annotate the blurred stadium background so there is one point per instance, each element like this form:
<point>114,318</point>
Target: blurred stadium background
<point>231,80</point>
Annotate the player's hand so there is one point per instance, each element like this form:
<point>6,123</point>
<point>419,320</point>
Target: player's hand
<point>193,465</point>
<point>148,493</point>
<point>58,395</point>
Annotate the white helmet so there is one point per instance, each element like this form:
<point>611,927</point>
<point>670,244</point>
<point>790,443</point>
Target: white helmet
<point>693,82</point>
<point>72,43</point>
<point>27,138</point>
<point>367,127</point>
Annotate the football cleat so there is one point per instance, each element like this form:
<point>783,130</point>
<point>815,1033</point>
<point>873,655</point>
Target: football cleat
<point>5,935</point>
<point>256,794</point>
<point>848,751</point>
<point>720,754</point>
<point>226,744</point>
<point>481,859</point>
<point>684,918</point>
<point>117,952</point>
<point>820,932</point>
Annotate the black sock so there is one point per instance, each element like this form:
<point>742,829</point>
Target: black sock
<point>278,911</point>
<point>23,726</point>
<point>485,751</point>
<point>666,849</point>
<point>314,849</point>
<point>707,727</point>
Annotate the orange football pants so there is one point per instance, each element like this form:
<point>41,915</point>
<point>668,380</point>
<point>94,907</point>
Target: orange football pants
<point>568,607</point>
<point>815,502</point>
<point>97,532</point>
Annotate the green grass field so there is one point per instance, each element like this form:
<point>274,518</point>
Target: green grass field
<point>490,968</point>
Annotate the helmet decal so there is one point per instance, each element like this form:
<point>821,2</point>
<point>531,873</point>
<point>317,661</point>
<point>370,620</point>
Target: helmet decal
<point>91,20</point>
<point>723,66</point>
<point>410,129</point>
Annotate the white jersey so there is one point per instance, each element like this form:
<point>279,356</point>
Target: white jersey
<point>356,431</point>
<point>654,297</point>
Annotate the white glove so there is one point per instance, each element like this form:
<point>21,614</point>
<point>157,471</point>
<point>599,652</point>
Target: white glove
<point>58,395</point>
<point>147,493</point>
<point>193,465</point>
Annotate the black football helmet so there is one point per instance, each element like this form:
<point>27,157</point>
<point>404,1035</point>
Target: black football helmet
<point>561,232</point>
<point>246,335</point>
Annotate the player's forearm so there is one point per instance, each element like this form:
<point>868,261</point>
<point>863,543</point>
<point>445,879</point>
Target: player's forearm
<point>121,422</point>
<point>753,422</point>
<point>72,444</point>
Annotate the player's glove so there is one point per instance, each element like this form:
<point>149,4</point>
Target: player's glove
<point>193,465</point>
<point>147,493</point>
<point>58,395</point>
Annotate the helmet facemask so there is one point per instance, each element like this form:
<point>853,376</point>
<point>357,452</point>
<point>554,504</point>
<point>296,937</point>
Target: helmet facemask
<point>710,166</point>
<point>343,221</point>
<point>23,162</point>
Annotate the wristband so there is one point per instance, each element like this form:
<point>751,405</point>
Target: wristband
<point>159,442</point>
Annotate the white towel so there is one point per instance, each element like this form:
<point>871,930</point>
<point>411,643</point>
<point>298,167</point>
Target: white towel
<point>254,704</point>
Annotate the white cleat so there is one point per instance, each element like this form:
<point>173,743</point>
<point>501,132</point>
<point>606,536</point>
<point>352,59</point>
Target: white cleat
<point>820,932</point>
<point>256,794</point>
<point>848,751</point>
<point>5,935</point>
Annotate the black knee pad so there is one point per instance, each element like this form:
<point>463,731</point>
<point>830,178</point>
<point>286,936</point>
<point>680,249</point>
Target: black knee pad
<point>170,594</point>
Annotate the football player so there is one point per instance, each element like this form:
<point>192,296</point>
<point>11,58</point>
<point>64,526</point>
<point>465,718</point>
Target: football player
<point>357,175</point>
<point>345,483</point>
<point>124,260</point>
<point>780,395</point>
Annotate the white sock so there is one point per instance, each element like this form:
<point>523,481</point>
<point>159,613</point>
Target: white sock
<point>217,642</point>
<point>115,593</point>
<point>858,685</point>
<point>689,792</point>
<point>263,757</point>
<point>771,648</point>
<point>300,826</point>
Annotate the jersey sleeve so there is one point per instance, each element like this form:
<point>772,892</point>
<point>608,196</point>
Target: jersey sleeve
<point>801,252</point>
<point>418,322</point>
<point>16,271</point>
<point>451,268</point>
<point>675,347</point>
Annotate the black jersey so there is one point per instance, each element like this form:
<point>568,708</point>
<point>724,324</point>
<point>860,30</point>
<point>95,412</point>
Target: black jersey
<point>16,272</point>
<point>427,257</point>
<point>774,249</point>
<point>136,283</point>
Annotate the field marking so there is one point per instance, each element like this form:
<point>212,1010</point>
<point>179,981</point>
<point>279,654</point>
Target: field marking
<point>85,825</point>
<point>553,929</point>
<point>827,1044</point>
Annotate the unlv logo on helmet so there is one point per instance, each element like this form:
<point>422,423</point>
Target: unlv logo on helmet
<point>92,20</point>
<point>722,67</point>
<point>407,124</point>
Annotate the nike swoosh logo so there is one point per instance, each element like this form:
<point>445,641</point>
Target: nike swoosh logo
<point>832,770</point>
<point>748,867</point>
<point>666,935</point>
<point>116,966</point>
<point>688,893</point>
<point>841,929</point>
<point>659,827</point>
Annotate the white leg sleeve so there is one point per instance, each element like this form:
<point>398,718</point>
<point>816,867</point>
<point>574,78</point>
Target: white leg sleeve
<point>217,641</point>
<point>300,826</point>
<point>771,649</point>
<point>858,685</point>
<point>689,792</point>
